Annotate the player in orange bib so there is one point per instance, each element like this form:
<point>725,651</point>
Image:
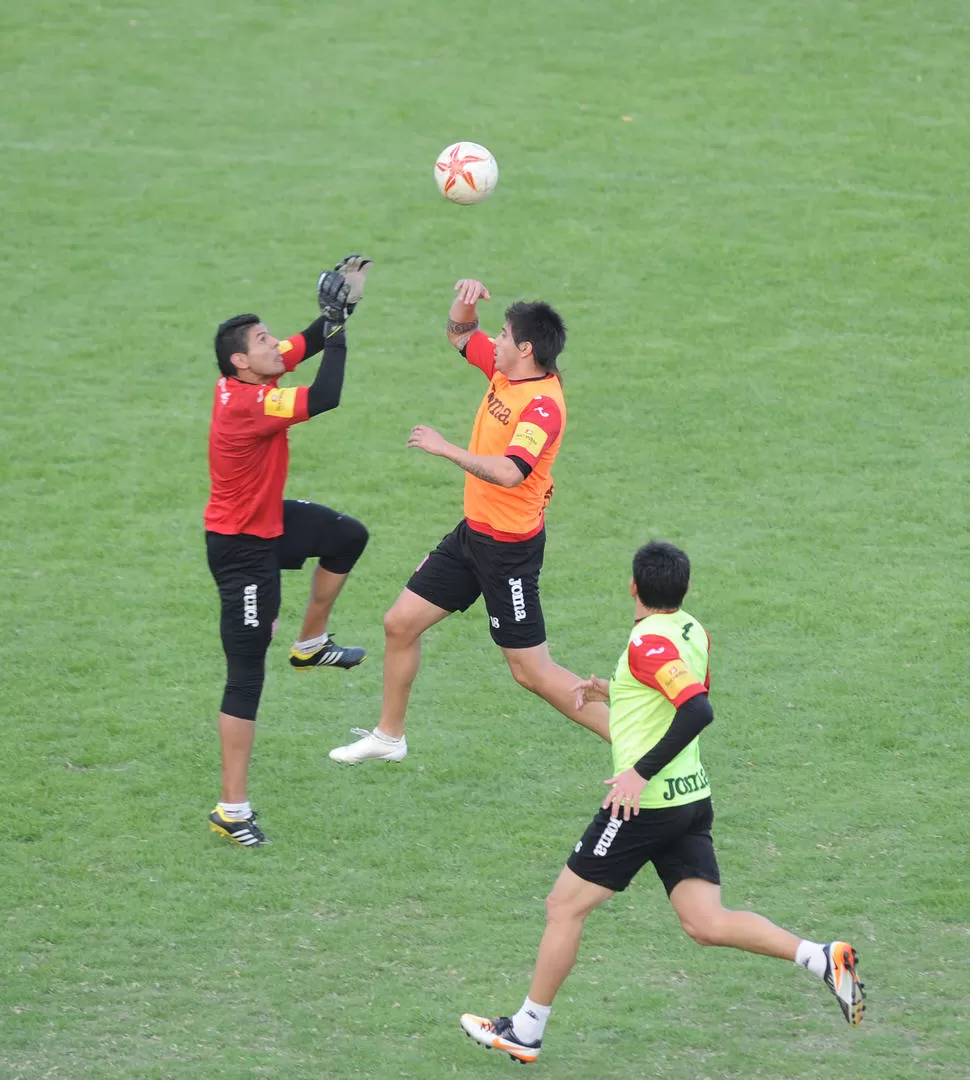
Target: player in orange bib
<point>497,549</point>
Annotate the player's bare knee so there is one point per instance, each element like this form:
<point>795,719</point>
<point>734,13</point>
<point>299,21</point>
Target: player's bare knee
<point>525,679</point>
<point>704,930</point>
<point>398,628</point>
<point>525,675</point>
<point>393,624</point>
<point>556,909</point>
<point>699,934</point>
<point>561,908</point>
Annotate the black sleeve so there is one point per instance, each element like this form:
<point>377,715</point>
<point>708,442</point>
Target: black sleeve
<point>313,337</point>
<point>524,467</point>
<point>688,722</point>
<point>324,393</point>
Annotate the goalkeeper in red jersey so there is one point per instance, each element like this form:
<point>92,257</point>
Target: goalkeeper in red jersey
<point>252,533</point>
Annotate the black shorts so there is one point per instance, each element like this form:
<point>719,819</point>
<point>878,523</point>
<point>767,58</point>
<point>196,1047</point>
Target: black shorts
<point>247,568</point>
<point>468,564</point>
<point>312,531</point>
<point>247,573</point>
<point>676,839</point>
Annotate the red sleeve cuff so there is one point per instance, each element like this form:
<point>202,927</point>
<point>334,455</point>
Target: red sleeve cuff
<point>480,352</point>
<point>293,350</point>
<point>689,692</point>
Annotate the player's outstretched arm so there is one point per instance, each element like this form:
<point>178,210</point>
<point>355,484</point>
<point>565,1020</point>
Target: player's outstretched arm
<point>325,390</point>
<point>491,468</point>
<point>463,314</point>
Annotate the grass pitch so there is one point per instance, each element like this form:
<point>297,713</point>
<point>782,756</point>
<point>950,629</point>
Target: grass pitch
<point>753,217</point>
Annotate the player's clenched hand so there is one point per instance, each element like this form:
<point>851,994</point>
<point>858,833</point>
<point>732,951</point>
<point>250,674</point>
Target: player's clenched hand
<point>471,291</point>
<point>426,438</point>
<point>625,794</point>
<point>591,689</point>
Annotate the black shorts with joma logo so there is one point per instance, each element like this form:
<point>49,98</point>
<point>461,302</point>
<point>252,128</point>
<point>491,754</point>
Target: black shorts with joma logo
<point>676,839</point>
<point>468,564</point>
<point>247,569</point>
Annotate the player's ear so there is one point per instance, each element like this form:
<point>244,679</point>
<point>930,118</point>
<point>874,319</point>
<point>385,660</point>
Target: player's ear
<point>239,360</point>
<point>633,588</point>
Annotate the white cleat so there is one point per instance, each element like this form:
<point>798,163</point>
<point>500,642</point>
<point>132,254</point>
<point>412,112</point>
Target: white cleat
<point>371,746</point>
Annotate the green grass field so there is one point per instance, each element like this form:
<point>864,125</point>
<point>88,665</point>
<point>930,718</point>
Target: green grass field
<point>754,219</point>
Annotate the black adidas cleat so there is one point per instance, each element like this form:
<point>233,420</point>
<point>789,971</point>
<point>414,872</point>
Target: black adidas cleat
<point>330,654</point>
<point>242,831</point>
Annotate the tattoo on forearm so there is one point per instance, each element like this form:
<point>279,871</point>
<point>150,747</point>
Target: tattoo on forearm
<point>481,472</point>
<point>461,327</point>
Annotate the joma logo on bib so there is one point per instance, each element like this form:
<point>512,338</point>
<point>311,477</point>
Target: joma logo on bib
<point>684,785</point>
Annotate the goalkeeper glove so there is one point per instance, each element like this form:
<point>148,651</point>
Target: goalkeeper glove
<point>332,294</point>
<point>354,269</point>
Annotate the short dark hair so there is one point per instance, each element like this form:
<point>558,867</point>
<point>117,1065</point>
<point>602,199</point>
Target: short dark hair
<point>661,573</point>
<point>232,337</point>
<point>539,324</point>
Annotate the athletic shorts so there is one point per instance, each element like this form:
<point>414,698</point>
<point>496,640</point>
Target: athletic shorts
<point>468,564</point>
<point>676,839</point>
<point>312,531</point>
<point>247,569</point>
<point>247,573</point>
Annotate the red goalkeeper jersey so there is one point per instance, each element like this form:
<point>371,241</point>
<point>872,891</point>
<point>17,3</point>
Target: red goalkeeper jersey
<point>249,451</point>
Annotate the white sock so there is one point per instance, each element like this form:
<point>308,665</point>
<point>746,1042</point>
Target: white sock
<point>530,1021</point>
<point>236,809</point>
<point>810,955</point>
<point>386,738</point>
<point>312,643</point>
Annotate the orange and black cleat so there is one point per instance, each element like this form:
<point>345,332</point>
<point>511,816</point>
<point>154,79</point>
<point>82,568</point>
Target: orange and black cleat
<point>841,978</point>
<point>498,1035</point>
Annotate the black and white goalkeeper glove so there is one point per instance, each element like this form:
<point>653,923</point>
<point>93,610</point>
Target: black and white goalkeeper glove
<point>354,269</point>
<point>333,292</point>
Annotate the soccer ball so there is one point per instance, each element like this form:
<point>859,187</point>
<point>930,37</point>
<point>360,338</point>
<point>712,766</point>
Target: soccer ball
<point>466,173</point>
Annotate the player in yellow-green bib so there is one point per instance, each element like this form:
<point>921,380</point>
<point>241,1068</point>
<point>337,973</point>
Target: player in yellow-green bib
<point>658,810</point>
<point>664,668</point>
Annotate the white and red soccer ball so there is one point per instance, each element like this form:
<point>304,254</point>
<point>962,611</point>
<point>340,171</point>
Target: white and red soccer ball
<point>466,172</point>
